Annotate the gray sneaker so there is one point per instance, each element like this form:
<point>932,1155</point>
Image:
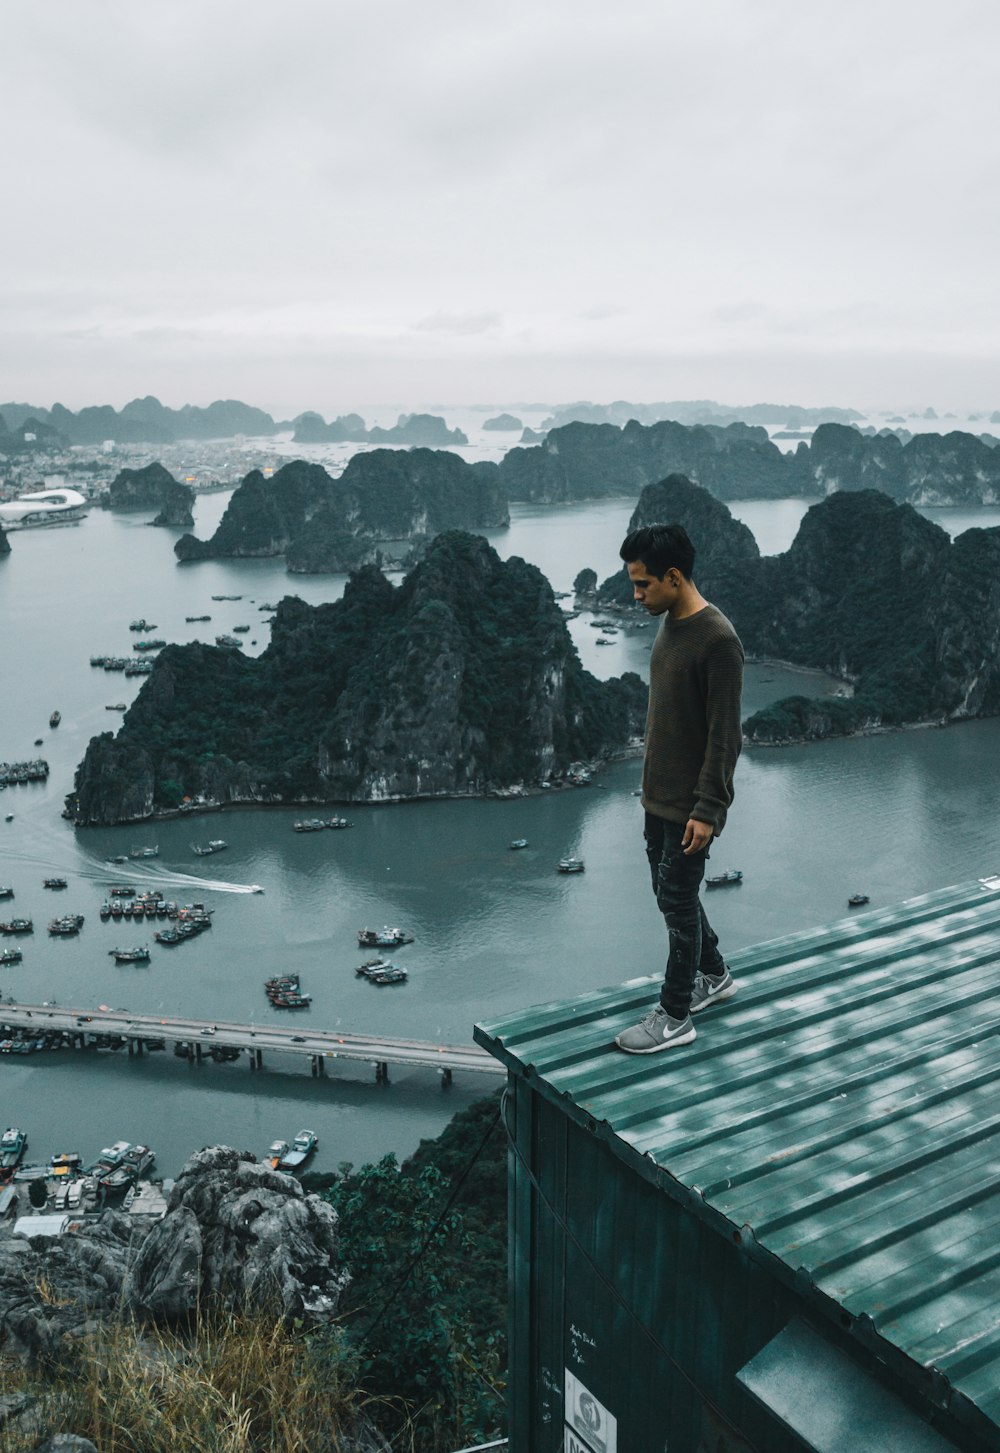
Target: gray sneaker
<point>657,1031</point>
<point>712,989</point>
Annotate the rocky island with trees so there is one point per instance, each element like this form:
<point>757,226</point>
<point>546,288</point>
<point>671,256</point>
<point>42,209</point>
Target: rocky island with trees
<point>151,488</point>
<point>869,591</point>
<point>580,461</point>
<point>386,501</point>
<point>461,680</point>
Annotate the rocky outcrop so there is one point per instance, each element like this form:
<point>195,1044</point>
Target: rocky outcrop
<point>239,1232</point>
<point>151,488</point>
<point>589,460</point>
<point>927,469</point>
<point>4,543</point>
<point>869,591</point>
<point>235,1232</point>
<point>428,431</point>
<point>586,461</point>
<point>699,411</point>
<point>264,515</point>
<point>385,498</point>
<point>147,421</point>
<point>503,423</point>
<point>464,679</point>
<point>720,540</point>
<point>118,784</point>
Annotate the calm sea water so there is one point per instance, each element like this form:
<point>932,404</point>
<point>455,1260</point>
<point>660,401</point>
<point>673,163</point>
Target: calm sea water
<point>495,930</point>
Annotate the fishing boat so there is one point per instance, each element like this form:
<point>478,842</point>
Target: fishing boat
<point>17,925</point>
<point>215,846</point>
<point>727,879</point>
<point>518,842</point>
<point>54,883</point>
<point>13,1144</point>
<point>570,865</point>
<point>55,718</point>
<point>383,938</point>
<point>301,1148</point>
<point>130,955</point>
<point>153,852</point>
<point>6,892</point>
<point>67,926</point>
<point>10,956</point>
<point>276,1153</point>
<point>309,824</point>
<point>66,1164</point>
<point>189,619</point>
<point>858,900</point>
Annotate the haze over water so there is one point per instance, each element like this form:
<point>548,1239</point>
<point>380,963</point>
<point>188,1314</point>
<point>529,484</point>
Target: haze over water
<point>892,816</point>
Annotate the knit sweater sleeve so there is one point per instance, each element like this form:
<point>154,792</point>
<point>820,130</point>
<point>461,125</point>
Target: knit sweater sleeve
<point>723,686</point>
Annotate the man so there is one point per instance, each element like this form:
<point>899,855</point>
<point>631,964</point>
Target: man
<point>693,739</point>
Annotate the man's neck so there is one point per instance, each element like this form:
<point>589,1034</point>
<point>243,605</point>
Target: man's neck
<point>688,603</point>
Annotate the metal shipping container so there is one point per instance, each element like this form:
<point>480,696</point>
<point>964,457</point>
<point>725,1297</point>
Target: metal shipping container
<point>783,1236</point>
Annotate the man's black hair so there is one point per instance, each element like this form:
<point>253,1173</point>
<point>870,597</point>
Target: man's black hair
<point>660,548</point>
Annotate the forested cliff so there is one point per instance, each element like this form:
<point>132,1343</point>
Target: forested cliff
<point>462,679</point>
<point>384,498</point>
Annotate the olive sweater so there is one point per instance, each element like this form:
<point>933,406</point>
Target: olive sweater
<point>693,734</point>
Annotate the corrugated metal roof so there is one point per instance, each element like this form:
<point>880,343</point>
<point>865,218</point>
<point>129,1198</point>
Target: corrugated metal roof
<point>844,1108</point>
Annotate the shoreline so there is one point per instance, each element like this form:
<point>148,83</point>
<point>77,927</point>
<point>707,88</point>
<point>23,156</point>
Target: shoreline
<point>171,814</point>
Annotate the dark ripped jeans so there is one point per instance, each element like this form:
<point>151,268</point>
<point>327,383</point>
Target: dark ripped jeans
<point>694,945</point>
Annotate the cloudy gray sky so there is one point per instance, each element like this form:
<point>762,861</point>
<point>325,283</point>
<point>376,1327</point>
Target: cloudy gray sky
<point>332,203</point>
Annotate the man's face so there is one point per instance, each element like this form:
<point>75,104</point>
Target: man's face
<point>655,596</point>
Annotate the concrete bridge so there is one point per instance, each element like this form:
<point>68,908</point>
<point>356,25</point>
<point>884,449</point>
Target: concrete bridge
<point>319,1046</point>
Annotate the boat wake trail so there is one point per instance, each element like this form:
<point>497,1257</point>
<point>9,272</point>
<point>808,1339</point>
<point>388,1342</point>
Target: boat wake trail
<point>147,873</point>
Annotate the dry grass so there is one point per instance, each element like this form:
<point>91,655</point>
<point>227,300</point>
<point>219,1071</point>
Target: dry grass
<point>231,1384</point>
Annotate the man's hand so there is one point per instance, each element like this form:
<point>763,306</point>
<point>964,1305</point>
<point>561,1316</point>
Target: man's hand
<point>697,835</point>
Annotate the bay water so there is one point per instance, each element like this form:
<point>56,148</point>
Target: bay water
<point>495,930</point>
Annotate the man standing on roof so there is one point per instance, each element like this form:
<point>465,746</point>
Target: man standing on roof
<point>693,740</point>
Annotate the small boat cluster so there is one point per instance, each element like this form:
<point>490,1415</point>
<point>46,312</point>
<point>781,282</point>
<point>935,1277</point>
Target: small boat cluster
<point>14,773</point>
<point>128,664</point>
<point>285,992</point>
<point>67,926</point>
<point>142,625</point>
<point>29,1041</point>
<point>282,1156</point>
<point>380,971</point>
<point>129,904</point>
<point>317,824</point>
<point>191,920</point>
<point>72,1186</point>
<point>216,845</point>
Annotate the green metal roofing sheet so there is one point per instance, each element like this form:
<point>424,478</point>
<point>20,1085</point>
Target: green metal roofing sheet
<point>843,1110</point>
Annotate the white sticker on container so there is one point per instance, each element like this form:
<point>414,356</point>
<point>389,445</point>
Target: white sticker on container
<point>590,1428</point>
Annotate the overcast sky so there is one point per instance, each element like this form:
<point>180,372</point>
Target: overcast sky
<point>330,204</point>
